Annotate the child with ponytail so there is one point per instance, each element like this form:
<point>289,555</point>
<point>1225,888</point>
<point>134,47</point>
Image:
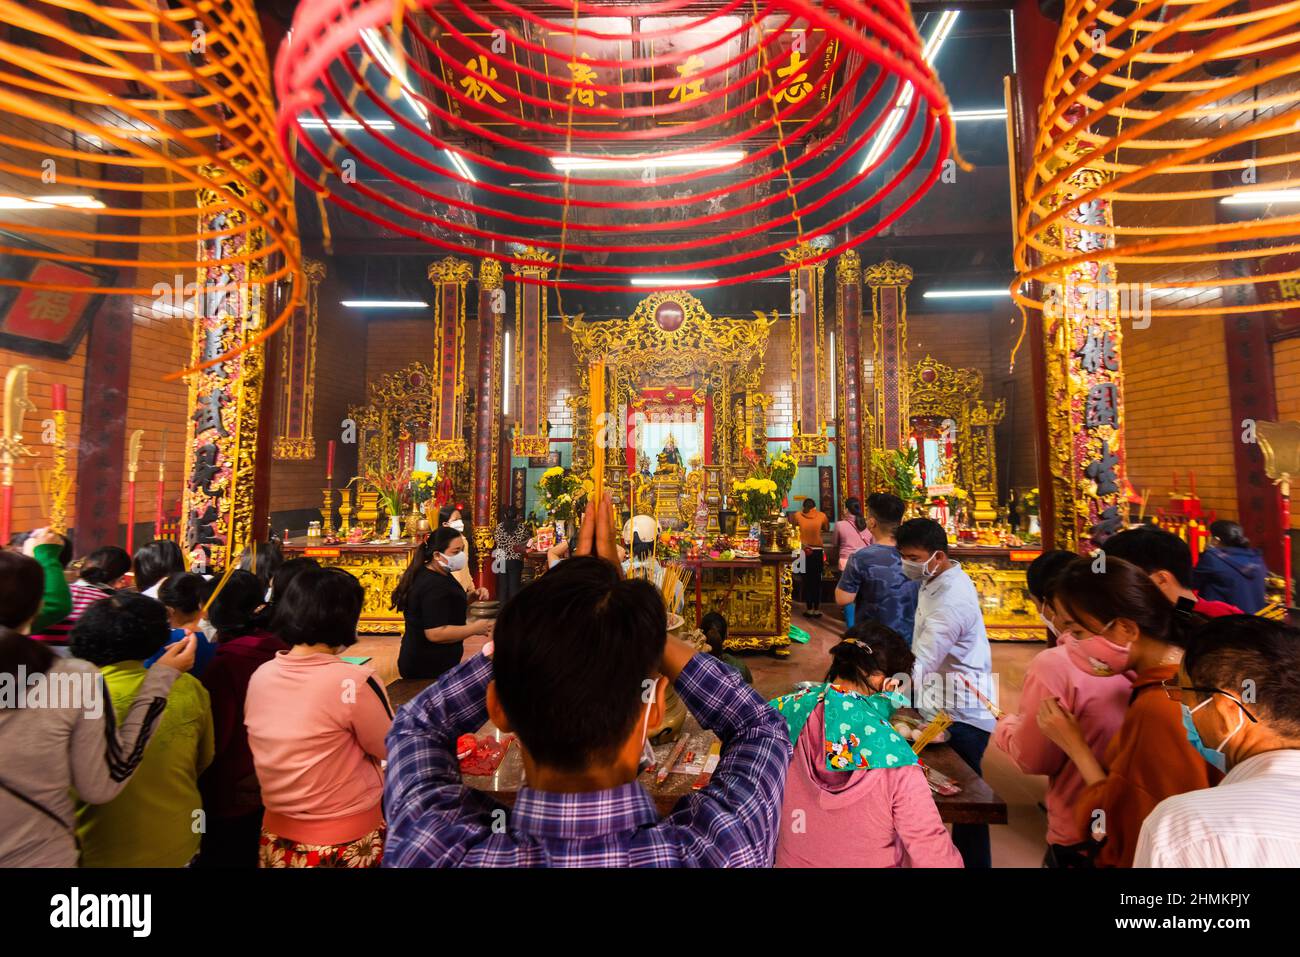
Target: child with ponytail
<point>855,795</point>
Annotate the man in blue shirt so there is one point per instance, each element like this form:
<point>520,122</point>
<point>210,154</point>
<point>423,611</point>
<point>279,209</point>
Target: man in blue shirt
<point>873,581</point>
<point>578,668</point>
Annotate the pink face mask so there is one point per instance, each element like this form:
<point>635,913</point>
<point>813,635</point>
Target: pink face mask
<point>1096,654</point>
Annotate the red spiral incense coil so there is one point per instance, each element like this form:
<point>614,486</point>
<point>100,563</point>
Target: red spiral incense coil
<point>612,140</point>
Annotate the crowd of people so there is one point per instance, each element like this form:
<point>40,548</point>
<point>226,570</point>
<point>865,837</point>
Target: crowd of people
<point>158,717</point>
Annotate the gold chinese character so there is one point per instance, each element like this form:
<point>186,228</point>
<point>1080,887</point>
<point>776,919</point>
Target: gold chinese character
<point>48,305</point>
<point>688,89</point>
<point>475,88</point>
<point>583,76</point>
<point>799,87</point>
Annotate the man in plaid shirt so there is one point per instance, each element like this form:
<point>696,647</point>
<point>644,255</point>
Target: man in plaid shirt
<point>573,675</point>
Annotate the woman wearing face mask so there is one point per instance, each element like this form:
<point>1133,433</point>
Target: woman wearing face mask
<point>863,796</point>
<point>449,516</point>
<point>1097,704</point>
<point>1124,625</point>
<point>434,606</point>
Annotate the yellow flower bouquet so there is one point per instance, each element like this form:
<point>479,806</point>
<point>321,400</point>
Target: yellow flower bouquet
<point>755,498</point>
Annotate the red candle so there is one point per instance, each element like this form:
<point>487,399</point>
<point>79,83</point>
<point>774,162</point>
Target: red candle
<point>59,397</point>
<point>329,460</point>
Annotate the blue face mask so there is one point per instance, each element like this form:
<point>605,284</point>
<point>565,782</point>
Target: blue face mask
<point>1214,756</point>
<point>896,699</point>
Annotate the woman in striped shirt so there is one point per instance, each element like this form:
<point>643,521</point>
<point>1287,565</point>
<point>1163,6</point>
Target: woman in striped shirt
<point>102,573</point>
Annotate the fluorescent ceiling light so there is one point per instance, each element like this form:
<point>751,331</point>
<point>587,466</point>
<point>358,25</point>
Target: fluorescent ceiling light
<point>682,161</point>
<point>344,123</point>
<point>1261,196</point>
<point>384,304</point>
<point>933,43</point>
<point>675,281</point>
<point>963,293</point>
<point>378,50</point>
<point>50,202</point>
<point>505,376</point>
<point>970,116</point>
<point>461,166</point>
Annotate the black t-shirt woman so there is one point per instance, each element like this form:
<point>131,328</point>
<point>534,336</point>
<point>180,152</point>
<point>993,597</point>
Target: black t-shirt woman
<point>434,605</point>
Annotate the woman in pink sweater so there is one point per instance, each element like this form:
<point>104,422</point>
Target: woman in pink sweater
<point>855,795</point>
<point>316,728</point>
<point>1098,705</point>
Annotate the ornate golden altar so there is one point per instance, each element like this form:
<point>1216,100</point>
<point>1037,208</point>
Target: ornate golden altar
<point>999,578</point>
<point>377,567</point>
<point>754,595</point>
<point>670,343</point>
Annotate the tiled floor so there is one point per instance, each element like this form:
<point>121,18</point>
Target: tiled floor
<point>1019,843</point>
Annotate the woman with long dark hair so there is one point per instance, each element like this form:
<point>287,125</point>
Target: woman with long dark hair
<point>450,516</point>
<point>1120,623</point>
<point>863,796</point>
<point>434,606</point>
<point>47,752</point>
<point>231,796</point>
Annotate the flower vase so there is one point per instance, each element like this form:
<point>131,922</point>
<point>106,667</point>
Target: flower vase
<point>394,528</point>
<point>756,531</point>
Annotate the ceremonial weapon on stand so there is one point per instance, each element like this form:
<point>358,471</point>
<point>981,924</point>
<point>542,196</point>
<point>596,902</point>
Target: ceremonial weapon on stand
<point>16,405</point>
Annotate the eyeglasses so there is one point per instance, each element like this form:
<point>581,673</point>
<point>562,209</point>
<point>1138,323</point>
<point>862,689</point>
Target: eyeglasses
<point>1175,693</point>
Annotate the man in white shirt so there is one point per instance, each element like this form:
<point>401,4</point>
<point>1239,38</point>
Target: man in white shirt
<point>952,653</point>
<point>1241,702</point>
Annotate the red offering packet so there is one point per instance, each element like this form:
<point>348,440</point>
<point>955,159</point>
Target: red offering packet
<point>484,756</point>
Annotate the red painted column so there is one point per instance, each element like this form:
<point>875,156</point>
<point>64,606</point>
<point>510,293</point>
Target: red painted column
<point>487,419</point>
<point>1034,42</point>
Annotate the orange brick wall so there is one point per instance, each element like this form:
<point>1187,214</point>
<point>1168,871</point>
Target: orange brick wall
<point>1286,378</point>
<point>1177,416</point>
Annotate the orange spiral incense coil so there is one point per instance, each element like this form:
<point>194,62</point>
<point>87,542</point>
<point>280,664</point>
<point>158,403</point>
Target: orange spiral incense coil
<point>1165,165</point>
<point>113,116</point>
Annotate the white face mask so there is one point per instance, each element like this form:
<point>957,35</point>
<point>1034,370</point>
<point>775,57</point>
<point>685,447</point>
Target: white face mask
<point>455,563</point>
<point>457,523</point>
<point>916,570</point>
<point>1050,627</point>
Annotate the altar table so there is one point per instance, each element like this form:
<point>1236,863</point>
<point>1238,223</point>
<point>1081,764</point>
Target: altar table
<point>753,594</point>
<point>976,803</point>
<point>377,567</point>
<point>998,574</point>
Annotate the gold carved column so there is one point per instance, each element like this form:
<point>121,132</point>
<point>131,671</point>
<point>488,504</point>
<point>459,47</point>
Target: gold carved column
<point>850,435</point>
<point>224,398</point>
<point>487,396</point>
<point>808,378</point>
<point>295,439</point>
<point>531,432</point>
<point>889,412</point>
<point>447,428</point>
<point>1082,309</point>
